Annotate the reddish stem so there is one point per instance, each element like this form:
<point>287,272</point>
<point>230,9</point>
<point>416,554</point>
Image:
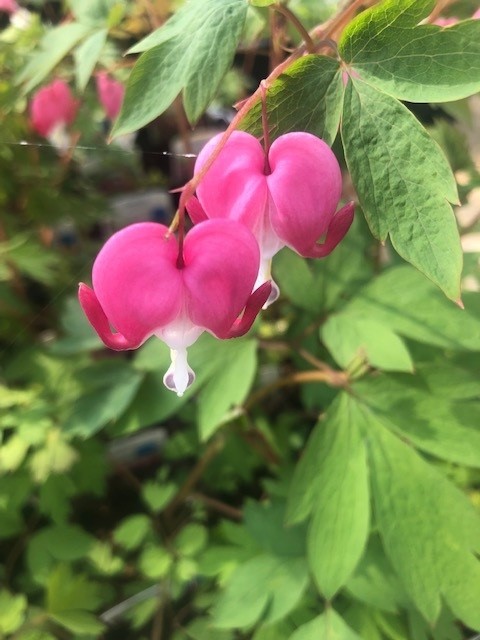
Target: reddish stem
<point>266,133</point>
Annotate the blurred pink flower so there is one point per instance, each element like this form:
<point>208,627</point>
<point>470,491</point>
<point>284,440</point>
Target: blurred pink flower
<point>446,22</point>
<point>476,15</point>
<point>140,290</point>
<point>9,6</point>
<point>53,108</point>
<point>286,199</point>
<point>110,94</point>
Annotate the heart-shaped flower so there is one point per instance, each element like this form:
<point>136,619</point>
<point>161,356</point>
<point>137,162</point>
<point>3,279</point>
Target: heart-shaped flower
<point>142,289</point>
<point>52,109</point>
<point>286,198</point>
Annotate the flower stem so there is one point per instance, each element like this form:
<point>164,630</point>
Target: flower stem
<point>266,133</point>
<point>291,17</point>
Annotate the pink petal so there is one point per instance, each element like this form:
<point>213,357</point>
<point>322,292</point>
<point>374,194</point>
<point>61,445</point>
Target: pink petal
<point>476,15</point>
<point>136,281</point>
<point>51,106</point>
<point>305,186</point>
<point>110,94</point>
<point>8,6</point>
<point>235,186</point>
<point>221,265</point>
<point>336,231</point>
<point>255,303</point>
<point>195,211</point>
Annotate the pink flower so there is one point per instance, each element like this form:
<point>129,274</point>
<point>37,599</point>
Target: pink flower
<point>446,22</point>
<point>9,6</point>
<point>476,15</point>
<point>140,289</point>
<point>287,198</point>
<point>51,110</point>
<point>110,94</point>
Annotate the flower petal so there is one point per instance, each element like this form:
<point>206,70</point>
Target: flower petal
<point>136,280</point>
<point>221,265</point>
<point>305,186</point>
<point>337,230</point>
<point>195,211</point>
<point>255,303</point>
<point>235,186</point>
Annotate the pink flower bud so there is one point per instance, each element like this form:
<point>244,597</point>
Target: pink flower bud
<point>53,108</point>
<point>140,290</point>
<point>110,94</point>
<point>446,22</point>
<point>286,199</point>
<point>9,6</point>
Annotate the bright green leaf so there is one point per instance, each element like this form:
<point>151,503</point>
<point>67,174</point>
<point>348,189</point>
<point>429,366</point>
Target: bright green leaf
<point>78,622</point>
<point>328,626</point>
<point>423,63</point>
<point>265,588</point>
<point>132,531</point>
<point>406,302</point>
<point>157,495</point>
<point>191,540</point>
<point>333,472</point>
<point>168,66</point>
<point>403,183</point>
<point>13,609</point>
<point>155,562</point>
<point>262,3</point>
<point>86,57</point>
<point>266,524</point>
<point>67,591</point>
<point>348,336</point>
<point>306,97</point>
<point>447,429</point>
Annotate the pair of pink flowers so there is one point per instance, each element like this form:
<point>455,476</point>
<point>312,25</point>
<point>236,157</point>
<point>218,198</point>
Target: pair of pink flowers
<point>53,108</point>
<point>249,205</point>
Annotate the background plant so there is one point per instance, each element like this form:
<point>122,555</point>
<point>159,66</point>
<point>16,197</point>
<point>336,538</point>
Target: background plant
<point>321,479</point>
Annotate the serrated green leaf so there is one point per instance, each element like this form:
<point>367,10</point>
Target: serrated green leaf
<point>348,336</point>
<point>405,301</point>
<point>57,456</point>
<point>328,626</point>
<point>423,63</point>
<point>54,46</point>
<point>54,497</point>
<point>168,66</point>
<point>333,472</point>
<point>446,429</point>
<point>12,453</point>
<point>403,183</point>
<point>306,97</point>
<point>417,512</point>
<point>265,587</point>
<point>86,57</point>
<point>67,591</point>
<point>103,559</point>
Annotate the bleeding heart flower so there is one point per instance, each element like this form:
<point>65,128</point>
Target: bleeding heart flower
<point>110,94</point>
<point>51,110</point>
<point>287,198</point>
<point>8,6</point>
<point>140,289</point>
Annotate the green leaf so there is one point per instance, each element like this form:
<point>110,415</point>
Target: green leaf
<point>78,334</point>
<point>403,183</point>
<point>78,622</point>
<point>157,496</point>
<point>348,336</point>
<point>262,3</point>
<point>449,430</point>
<point>54,497</point>
<point>54,46</point>
<point>417,63</point>
<point>265,587</point>
<point>170,66</point>
<point>229,368</point>
<point>12,611</point>
<point>266,525</point>
<point>106,400</point>
<point>308,96</point>
<point>57,456</point>
<point>155,562</point>
<point>12,453</point>
<point>68,592</point>
<point>418,512</point>
<point>104,561</point>
<point>191,540</point>
<point>406,302</point>
<point>332,475</point>
<point>132,531</point>
<point>328,626</point>
<point>87,55</point>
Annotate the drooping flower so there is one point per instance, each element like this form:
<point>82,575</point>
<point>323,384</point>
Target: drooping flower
<point>8,6</point>
<point>140,289</point>
<point>110,94</point>
<point>286,198</point>
<point>52,109</point>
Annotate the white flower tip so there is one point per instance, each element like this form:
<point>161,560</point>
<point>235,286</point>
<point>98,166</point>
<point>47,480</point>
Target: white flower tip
<point>179,375</point>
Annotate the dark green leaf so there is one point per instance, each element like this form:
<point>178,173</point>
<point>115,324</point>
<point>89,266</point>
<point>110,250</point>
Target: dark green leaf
<point>403,183</point>
<point>87,55</point>
<point>306,97</point>
<point>417,63</point>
